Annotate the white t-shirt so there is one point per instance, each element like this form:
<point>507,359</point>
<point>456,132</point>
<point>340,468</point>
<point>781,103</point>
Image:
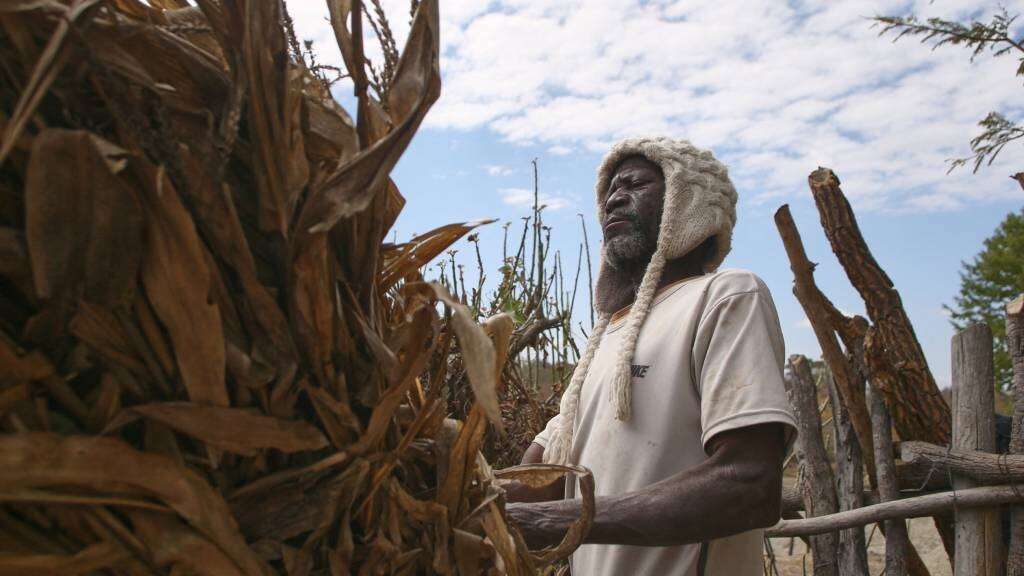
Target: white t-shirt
<point>708,359</point>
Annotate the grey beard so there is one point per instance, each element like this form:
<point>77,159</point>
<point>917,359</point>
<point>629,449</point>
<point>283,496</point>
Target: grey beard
<point>629,250</point>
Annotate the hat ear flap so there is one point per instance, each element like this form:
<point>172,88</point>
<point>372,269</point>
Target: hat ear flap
<point>559,447</point>
<point>622,385</point>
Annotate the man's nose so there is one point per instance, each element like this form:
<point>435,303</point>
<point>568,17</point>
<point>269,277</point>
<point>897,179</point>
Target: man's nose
<point>616,199</point>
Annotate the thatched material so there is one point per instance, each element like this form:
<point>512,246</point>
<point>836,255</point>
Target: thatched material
<point>209,361</point>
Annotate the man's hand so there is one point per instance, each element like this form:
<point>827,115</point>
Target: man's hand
<point>738,488</point>
<point>518,492</point>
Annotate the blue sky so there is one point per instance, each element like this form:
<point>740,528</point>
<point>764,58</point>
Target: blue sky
<point>774,88</point>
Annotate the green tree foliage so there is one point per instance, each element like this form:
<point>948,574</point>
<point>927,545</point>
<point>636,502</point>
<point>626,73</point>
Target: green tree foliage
<point>994,36</point>
<point>993,278</point>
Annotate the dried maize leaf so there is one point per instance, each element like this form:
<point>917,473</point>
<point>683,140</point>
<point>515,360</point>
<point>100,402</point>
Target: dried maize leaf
<point>137,9</point>
<point>14,261</point>
<point>460,460</point>
<point>340,13</point>
<point>470,552</point>
<point>45,71</point>
<point>279,164</point>
<point>410,257</point>
<point>218,219</point>
<point>108,402</point>
<point>417,84</point>
<point>235,430</point>
<point>419,329</point>
<point>331,137</point>
<point>51,497</point>
<point>300,505</point>
<point>177,282</point>
<point>39,460</point>
<point>537,475</point>
<point>100,329</point>
<point>477,353</point>
<point>84,226</point>
<point>95,557</point>
<point>313,305</point>
<point>16,367</point>
<point>505,544</point>
<point>392,207</point>
<point>173,544</point>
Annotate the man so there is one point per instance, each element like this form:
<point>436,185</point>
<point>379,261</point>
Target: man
<point>677,404</point>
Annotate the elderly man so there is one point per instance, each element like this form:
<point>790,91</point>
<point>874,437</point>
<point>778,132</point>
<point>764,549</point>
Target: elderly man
<point>677,404</point>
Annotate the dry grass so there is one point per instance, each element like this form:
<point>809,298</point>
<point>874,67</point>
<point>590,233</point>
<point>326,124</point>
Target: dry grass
<point>210,361</point>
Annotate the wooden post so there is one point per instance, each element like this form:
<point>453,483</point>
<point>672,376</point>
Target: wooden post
<point>853,553</point>
<point>1015,345</point>
<point>818,486</point>
<point>888,486</point>
<point>978,540</point>
<point>819,312</point>
<point>916,507</point>
<point>917,407</point>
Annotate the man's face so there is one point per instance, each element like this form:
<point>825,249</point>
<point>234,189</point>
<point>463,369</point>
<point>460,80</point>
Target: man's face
<point>633,206</point>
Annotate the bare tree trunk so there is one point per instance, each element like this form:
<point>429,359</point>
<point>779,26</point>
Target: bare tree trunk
<point>982,467</point>
<point>915,404</point>
<point>853,554</point>
<point>918,409</point>
<point>819,311</point>
<point>817,484</point>
<point>1015,344</point>
<point>978,539</point>
<point>896,538</point>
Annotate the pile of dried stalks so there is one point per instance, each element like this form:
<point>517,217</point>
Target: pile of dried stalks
<point>209,360</point>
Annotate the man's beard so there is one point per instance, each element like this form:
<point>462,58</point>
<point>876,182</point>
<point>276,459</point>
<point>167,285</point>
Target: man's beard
<point>630,249</point>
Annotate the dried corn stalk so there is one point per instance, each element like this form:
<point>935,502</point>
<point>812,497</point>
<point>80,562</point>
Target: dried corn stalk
<point>209,362</point>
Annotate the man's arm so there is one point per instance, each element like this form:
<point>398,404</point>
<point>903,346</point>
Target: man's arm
<point>517,492</point>
<point>738,488</point>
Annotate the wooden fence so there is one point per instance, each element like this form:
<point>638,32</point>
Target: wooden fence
<point>944,464</point>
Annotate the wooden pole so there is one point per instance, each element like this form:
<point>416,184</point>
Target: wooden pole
<point>915,403</point>
<point>896,538</point>
<point>978,540</point>
<point>1015,345</point>
<point>818,486</point>
<point>853,553</point>
<point>928,505</point>
<point>818,307</point>
<point>982,467</point>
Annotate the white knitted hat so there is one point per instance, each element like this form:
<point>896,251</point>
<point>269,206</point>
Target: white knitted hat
<point>700,202</point>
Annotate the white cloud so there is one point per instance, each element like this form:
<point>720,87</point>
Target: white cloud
<point>524,197</point>
<point>776,89</point>
<point>498,170</point>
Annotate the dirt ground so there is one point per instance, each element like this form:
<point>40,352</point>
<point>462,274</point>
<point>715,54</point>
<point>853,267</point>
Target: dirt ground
<point>922,534</point>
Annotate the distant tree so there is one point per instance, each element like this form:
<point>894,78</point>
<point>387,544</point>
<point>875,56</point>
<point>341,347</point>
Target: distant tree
<point>993,36</point>
<point>993,278</point>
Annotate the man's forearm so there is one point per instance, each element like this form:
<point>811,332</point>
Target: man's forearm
<point>699,504</point>
<point>737,489</point>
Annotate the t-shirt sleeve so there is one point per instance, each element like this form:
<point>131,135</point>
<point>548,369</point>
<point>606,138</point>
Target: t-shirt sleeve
<point>545,434</point>
<point>738,362</point>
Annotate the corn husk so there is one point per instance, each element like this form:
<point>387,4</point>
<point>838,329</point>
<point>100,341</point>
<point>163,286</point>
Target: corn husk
<point>210,360</point>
